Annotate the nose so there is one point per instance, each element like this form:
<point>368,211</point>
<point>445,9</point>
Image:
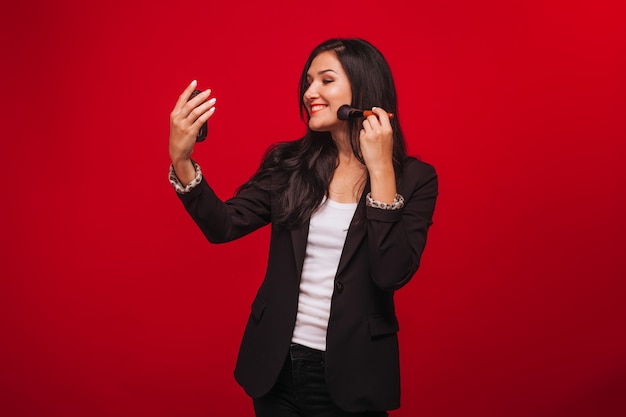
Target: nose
<point>311,92</point>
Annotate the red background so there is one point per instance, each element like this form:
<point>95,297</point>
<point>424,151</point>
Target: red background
<point>113,304</point>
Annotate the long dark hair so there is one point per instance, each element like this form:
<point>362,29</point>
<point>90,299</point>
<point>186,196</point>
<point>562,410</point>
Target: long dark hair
<point>309,163</point>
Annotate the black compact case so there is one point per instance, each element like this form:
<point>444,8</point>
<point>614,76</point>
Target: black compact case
<point>205,127</point>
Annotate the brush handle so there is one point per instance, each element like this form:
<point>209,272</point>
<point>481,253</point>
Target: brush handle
<point>367,113</point>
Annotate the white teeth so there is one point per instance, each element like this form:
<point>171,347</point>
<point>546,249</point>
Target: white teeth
<point>316,108</point>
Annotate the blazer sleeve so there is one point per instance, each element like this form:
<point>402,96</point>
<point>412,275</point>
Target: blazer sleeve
<point>397,238</point>
<point>224,221</point>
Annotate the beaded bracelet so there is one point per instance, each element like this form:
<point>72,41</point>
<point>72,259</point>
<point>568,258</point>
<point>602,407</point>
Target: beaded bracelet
<point>398,203</point>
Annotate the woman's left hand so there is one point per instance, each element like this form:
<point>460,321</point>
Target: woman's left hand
<point>376,141</point>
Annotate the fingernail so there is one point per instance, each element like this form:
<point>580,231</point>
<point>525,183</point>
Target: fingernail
<point>212,101</point>
<point>194,82</point>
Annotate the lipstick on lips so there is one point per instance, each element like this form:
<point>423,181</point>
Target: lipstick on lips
<point>317,107</point>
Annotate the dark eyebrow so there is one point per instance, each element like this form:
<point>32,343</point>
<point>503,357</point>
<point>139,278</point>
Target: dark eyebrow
<point>324,71</point>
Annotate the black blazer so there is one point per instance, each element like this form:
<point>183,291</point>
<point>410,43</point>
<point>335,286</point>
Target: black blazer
<point>381,253</point>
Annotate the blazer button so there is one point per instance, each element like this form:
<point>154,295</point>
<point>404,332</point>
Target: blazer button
<point>339,286</point>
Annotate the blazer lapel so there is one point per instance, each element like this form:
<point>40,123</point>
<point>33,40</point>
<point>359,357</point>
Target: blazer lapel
<point>299,237</point>
<point>356,232</point>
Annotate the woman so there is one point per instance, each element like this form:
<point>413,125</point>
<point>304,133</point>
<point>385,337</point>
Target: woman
<point>349,212</point>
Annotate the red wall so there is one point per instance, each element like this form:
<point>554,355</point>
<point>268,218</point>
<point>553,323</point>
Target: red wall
<point>113,304</point>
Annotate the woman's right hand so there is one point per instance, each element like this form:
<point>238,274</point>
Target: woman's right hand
<point>185,122</point>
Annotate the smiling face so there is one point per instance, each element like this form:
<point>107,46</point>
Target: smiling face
<point>328,89</point>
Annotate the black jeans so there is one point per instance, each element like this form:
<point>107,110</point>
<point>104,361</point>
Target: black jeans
<point>301,390</point>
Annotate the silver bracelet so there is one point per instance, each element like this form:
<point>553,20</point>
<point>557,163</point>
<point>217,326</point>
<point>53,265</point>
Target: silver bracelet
<point>178,186</point>
<point>398,202</point>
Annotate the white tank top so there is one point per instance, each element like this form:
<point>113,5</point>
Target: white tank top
<point>327,234</point>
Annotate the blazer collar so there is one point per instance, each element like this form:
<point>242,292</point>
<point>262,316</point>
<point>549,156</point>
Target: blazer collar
<point>356,233</point>
<point>299,237</point>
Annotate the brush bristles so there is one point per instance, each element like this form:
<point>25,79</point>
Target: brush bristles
<point>344,112</point>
